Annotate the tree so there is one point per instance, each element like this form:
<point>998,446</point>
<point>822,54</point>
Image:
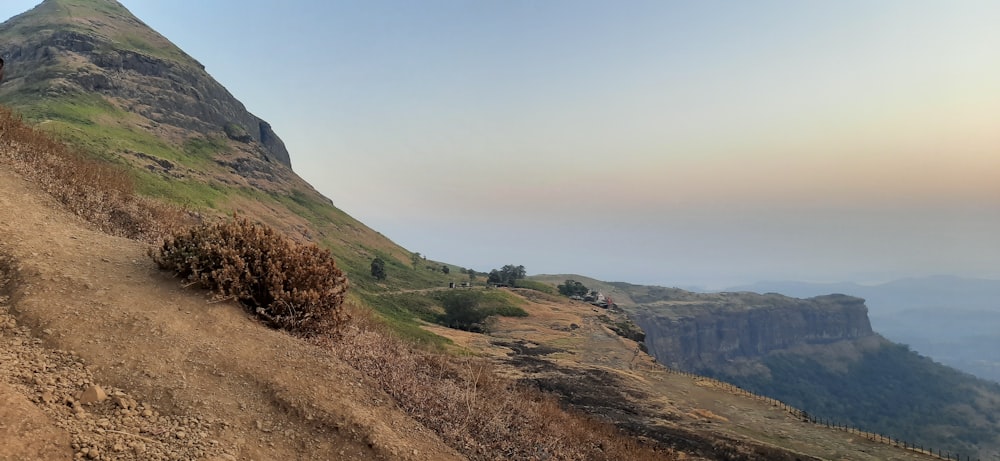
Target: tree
<point>472,275</point>
<point>512,273</point>
<point>573,288</point>
<point>462,311</point>
<point>378,268</point>
<point>445,269</point>
<point>415,258</point>
<point>507,275</point>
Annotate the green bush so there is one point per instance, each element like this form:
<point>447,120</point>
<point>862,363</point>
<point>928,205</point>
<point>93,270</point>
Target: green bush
<point>573,288</point>
<point>462,311</point>
<point>291,286</point>
<point>472,310</point>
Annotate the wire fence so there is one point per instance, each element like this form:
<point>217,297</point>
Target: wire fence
<point>829,423</point>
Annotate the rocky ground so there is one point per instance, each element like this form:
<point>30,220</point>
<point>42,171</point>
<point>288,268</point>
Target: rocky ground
<point>52,395</point>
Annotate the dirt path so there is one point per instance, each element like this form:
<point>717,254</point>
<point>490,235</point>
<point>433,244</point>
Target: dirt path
<point>199,380</point>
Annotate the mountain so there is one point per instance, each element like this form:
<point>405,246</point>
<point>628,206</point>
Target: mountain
<point>821,355</point>
<point>169,91</point>
<point>954,320</point>
<point>95,76</point>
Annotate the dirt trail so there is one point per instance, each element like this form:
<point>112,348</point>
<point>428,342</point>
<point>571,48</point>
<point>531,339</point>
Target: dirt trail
<point>210,377</point>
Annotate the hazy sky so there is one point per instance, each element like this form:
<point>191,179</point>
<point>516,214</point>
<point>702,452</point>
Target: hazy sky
<point>676,143</point>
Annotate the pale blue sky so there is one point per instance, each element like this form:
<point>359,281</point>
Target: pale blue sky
<point>700,142</point>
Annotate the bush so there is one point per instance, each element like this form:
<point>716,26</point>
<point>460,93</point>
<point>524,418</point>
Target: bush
<point>472,310</point>
<point>291,286</point>
<point>378,268</point>
<point>462,311</point>
<point>573,288</point>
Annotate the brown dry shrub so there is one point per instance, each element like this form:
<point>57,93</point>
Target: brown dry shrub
<point>476,410</point>
<point>292,286</point>
<point>95,190</point>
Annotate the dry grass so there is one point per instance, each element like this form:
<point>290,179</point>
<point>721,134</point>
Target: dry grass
<point>475,410</point>
<point>94,190</point>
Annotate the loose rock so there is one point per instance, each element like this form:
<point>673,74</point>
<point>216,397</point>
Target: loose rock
<point>93,394</point>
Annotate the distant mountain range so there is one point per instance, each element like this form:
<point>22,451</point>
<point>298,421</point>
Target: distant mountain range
<point>954,320</point>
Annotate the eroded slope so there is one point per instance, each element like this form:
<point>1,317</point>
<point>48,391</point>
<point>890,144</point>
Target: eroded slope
<point>264,394</point>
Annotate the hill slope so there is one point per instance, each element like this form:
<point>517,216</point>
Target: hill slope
<point>259,393</point>
<point>218,386</point>
<point>96,76</point>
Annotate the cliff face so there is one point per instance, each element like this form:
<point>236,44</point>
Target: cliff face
<point>701,332</point>
<point>98,47</point>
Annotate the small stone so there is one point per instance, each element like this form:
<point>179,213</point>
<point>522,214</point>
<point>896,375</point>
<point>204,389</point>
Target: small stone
<point>181,434</point>
<point>94,453</point>
<point>118,447</point>
<point>48,397</point>
<point>124,402</point>
<point>147,413</point>
<point>93,394</point>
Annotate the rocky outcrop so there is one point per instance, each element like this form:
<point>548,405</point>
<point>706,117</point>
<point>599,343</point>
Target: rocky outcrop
<point>159,81</point>
<point>700,332</point>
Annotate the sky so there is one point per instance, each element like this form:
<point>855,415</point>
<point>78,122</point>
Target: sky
<point>700,143</point>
